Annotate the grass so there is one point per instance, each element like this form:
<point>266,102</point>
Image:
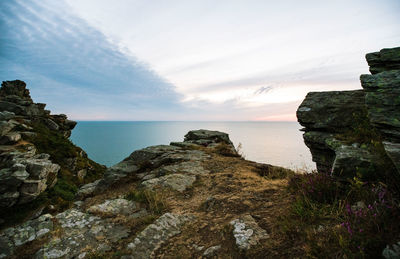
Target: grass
<point>154,201</point>
<point>274,172</point>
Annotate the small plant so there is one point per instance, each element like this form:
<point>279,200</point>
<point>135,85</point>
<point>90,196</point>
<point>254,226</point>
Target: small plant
<point>239,150</point>
<point>155,201</point>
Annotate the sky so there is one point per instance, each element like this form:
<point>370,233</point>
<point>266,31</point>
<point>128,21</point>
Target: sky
<point>226,60</point>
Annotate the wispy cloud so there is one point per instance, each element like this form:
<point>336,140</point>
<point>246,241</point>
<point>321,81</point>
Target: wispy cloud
<point>69,64</point>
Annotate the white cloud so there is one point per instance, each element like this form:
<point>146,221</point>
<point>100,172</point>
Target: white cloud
<point>203,46</point>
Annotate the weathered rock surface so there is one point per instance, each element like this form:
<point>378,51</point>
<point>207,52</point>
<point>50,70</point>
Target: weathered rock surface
<point>331,111</point>
<point>382,100</point>
<point>154,235</point>
<point>177,182</point>
<point>165,165</point>
<point>207,137</point>
<point>25,176</point>
<point>327,115</point>
<point>31,230</point>
<point>247,233</point>
<point>331,120</point>
<point>114,207</point>
<point>82,233</point>
<point>386,59</point>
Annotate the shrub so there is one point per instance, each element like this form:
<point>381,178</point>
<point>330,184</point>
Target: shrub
<point>317,187</point>
<point>359,218</point>
<point>64,189</point>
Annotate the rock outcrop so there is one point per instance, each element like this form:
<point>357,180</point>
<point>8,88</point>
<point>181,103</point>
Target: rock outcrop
<point>175,166</point>
<point>34,150</point>
<point>346,131</point>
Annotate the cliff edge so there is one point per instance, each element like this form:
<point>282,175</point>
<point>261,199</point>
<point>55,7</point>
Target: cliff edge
<point>40,167</point>
<point>357,133</point>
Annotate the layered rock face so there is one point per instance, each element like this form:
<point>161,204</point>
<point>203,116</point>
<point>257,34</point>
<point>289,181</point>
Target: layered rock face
<point>344,129</point>
<point>382,98</point>
<point>325,115</point>
<point>27,130</point>
<point>15,98</point>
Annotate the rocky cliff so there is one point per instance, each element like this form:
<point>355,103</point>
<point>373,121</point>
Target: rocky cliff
<point>196,198</point>
<point>357,133</point>
<point>36,157</point>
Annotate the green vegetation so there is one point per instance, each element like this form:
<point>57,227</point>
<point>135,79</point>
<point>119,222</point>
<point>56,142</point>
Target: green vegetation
<point>71,159</point>
<point>53,143</point>
<point>341,219</point>
<point>64,189</point>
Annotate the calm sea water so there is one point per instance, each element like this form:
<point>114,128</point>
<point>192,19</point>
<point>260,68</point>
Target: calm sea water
<point>277,143</point>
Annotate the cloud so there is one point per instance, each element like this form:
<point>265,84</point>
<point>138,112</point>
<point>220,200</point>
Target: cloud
<point>263,90</point>
<point>69,64</point>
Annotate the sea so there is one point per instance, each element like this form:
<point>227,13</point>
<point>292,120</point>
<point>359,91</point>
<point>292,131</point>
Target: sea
<point>276,143</point>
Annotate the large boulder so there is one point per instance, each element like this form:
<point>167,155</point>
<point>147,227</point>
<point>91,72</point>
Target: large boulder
<point>207,137</point>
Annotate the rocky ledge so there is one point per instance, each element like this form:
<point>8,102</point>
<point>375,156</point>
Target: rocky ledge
<point>357,133</point>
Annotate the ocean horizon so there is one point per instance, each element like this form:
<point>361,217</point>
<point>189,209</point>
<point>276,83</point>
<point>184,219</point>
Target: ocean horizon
<point>274,142</point>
